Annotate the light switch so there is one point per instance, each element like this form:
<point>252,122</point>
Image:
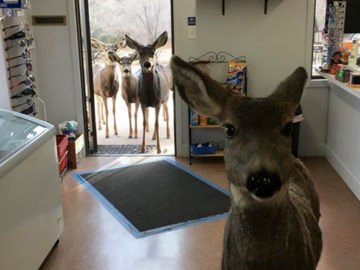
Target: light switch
<point>191,32</point>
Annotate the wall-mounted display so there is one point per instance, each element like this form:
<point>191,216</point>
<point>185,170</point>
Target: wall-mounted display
<point>18,42</point>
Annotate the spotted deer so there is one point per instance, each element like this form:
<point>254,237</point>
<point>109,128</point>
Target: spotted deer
<point>105,83</point>
<point>154,84</point>
<point>274,215</point>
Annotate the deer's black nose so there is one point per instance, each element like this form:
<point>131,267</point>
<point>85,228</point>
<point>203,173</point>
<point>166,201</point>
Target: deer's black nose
<point>147,65</point>
<point>263,184</point>
<point>126,71</point>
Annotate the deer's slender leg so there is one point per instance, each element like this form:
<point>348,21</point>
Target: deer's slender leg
<point>157,110</point>
<point>147,119</point>
<point>106,117</point>
<point>99,111</point>
<point>166,110</point>
<point>135,116</point>
<point>114,113</point>
<point>128,105</point>
<point>144,110</point>
<point>103,111</point>
<point>154,133</point>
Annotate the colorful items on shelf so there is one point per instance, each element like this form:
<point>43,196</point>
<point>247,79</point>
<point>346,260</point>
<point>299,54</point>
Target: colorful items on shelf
<point>354,53</point>
<point>206,148</point>
<point>197,119</point>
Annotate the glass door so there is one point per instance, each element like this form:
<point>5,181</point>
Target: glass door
<point>83,31</point>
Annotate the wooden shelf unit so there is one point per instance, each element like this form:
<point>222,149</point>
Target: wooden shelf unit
<point>219,153</point>
<point>208,126</point>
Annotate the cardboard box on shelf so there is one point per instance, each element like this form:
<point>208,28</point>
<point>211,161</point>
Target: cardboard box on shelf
<point>76,151</point>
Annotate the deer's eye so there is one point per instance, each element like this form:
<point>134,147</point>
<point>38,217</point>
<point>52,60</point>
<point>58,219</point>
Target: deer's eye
<point>230,130</point>
<point>287,129</point>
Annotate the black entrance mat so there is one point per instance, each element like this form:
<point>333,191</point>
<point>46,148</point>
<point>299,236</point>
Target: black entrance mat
<point>156,196</point>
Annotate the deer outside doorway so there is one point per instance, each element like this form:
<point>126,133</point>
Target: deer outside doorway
<point>117,69</point>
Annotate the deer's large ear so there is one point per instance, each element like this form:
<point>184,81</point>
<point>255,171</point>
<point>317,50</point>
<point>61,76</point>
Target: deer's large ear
<point>97,44</point>
<point>202,93</point>
<point>161,40</point>
<point>134,56</point>
<point>120,45</point>
<point>132,43</point>
<point>113,57</point>
<point>291,89</point>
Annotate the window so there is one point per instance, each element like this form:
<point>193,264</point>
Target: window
<point>332,19</point>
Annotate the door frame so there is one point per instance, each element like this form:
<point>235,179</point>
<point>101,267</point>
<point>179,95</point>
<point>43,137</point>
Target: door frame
<point>93,150</point>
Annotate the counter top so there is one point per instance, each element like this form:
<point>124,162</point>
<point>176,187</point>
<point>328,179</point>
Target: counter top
<point>345,86</point>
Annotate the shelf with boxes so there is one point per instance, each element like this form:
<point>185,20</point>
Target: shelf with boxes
<point>206,138</point>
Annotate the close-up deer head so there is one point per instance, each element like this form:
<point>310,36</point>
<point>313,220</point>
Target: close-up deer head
<point>258,130</point>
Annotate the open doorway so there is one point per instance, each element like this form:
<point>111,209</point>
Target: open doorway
<point>108,23</point>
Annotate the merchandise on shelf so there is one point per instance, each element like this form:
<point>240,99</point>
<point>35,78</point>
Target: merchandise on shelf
<point>194,118</point>
<point>18,43</point>
<point>236,77</point>
<point>206,148</point>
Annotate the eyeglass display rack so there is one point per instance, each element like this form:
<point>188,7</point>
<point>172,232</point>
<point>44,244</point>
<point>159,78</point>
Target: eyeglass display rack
<point>18,42</point>
<point>335,22</point>
<point>211,130</point>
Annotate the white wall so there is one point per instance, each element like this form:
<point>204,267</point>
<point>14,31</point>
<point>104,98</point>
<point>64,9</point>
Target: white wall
<point>4,85</point>
<point>274,44</point>
<point>343,140</point>
<point>313,130</point>
<point>58,79</point>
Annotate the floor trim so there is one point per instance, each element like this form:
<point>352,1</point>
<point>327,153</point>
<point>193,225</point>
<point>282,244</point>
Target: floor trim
<point>346,174</point>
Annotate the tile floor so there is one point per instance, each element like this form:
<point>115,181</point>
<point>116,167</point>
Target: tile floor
<point>93,239</point>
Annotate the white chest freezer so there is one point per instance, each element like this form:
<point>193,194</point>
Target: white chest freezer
<point>30,202</point>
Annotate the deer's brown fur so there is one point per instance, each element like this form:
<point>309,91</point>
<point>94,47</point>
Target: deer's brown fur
<point>154,84</point>
<point>105,82</point>
<point>273,230</point>
<point>129,90</point>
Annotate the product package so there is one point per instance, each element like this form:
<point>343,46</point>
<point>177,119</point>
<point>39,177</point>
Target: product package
<point>194,118</point>
<point>236,77</point>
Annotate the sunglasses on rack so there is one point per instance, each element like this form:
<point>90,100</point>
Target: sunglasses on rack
<point>27,102</point>
<point>23,24</point>
<point>26,92</point>
<point>17,35</point>
<point>25,55</point>
<point>30,110</point>
<point>27,81</point>
<point>26,73</point>
<point>20,43</point>
<point>27,63</point>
